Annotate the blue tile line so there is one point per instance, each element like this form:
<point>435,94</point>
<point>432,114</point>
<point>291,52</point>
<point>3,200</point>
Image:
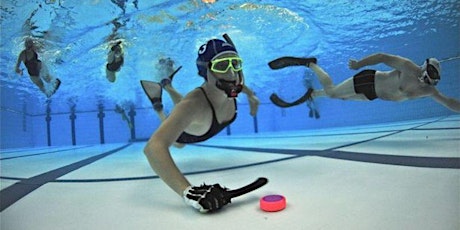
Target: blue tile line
<point>20,189</point>
<point>43,153</point>
<point>15,192</point>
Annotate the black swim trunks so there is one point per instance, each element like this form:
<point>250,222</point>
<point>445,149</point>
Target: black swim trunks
<point>364,82</point>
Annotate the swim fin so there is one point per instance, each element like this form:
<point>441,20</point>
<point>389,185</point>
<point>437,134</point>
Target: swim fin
<point>291,61</point>
<point>153,91</point>
<point>168,80</point>
<point>56,87</point>
<point>283,104</point>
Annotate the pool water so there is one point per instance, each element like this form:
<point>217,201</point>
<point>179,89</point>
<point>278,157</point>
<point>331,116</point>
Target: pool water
<point>75,39</point>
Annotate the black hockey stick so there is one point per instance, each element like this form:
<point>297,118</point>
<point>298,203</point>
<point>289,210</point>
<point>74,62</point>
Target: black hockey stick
<point>283,104</point>
<point>282,62</point>
<point>248,188</point>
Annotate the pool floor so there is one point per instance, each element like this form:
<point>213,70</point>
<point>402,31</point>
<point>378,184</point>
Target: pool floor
<point>402,175</point>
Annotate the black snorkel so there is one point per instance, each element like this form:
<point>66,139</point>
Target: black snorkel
<point>230,87</point>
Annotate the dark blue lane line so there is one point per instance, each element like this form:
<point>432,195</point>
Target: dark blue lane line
<point>44,153</point>
<point>185,173</point>
<point>15,192</point>
<point>345,134</point>
<point>431,162</point>
<point>6,151</point>
<point>294,151</point>
<point>431,129</point>
<point>157,177</point>
<point>414,161</point>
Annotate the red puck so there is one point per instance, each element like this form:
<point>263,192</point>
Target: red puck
<point>272,203</point>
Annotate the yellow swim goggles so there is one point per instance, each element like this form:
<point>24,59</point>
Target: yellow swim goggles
<point>221,65</point>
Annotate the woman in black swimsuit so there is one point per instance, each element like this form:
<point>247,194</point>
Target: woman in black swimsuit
<point>115,59</point>
<point>200,115</point>
<point>36,68</point>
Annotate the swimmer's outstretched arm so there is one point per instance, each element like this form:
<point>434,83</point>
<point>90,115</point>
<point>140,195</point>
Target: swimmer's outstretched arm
<point>157,151</point>
<point>21,58</point>
<point>253,100</point>
<point>397,62</point>
<point>450,103</point>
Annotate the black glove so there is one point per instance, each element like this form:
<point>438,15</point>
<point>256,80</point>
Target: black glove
<point>207,198</point>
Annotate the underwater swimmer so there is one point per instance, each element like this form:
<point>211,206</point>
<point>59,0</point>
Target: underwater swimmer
<point>198,116</point>
<point>406,81</point>
<point>115,60</point>
<point>37,70</point>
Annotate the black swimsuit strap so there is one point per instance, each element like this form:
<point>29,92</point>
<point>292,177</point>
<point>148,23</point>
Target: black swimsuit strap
<point>212,107</point>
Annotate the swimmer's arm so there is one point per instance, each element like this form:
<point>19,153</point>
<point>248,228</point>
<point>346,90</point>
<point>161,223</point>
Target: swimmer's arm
<point>110,56</point>
<point>18,62</point>
<point>157,149</point>
<point>253,100</point>
<point>450,103</point>
<point>394,61</point>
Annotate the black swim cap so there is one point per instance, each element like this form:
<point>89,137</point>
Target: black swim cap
<point>208,51</point>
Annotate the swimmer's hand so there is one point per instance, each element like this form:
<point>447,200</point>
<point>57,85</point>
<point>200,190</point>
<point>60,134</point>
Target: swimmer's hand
<point>253,100</point>
<point>19,71</point>
<point>207,198</point>
<point>353,64</point>
<point>253,104</point>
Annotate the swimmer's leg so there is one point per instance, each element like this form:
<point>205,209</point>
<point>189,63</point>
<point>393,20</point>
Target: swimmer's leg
<point>323,77</point>
<point>110,75</point>
<point>308,82</point>
<point>46,76</point>
<point>39,83</point>
<point>56,85</point>
<point>124,117</point>
<point>344,90</point>
<point>166,84</point>
<point>168,80</point>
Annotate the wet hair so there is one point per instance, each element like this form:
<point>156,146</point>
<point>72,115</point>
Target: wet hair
<point>210,50</point>
<point>28,43</point>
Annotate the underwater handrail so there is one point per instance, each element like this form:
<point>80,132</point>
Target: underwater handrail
<point>90,111</point>
<point>449,59</point>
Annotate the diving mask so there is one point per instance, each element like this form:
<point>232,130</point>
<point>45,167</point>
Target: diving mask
<point>430,75</point>
<point>222,65</point>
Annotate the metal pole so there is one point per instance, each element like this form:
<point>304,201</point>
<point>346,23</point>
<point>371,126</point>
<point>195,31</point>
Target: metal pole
<point>256,126</point>
<point>72,123</point>
<point>24,117</point>
<point>101,116</point>
<point>229,131</point>
<point>132,114</point>
<point>48,123</point>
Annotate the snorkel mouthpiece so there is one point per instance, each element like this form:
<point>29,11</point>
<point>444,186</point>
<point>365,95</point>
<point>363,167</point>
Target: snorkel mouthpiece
<point>231,88</point>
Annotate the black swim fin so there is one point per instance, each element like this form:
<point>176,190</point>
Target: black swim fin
<point>168,80</point>
<point>174,73</point>
<point>153,91</point>
<point>283,104</point>
<point>291,61</point>
<point>56,87</point>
